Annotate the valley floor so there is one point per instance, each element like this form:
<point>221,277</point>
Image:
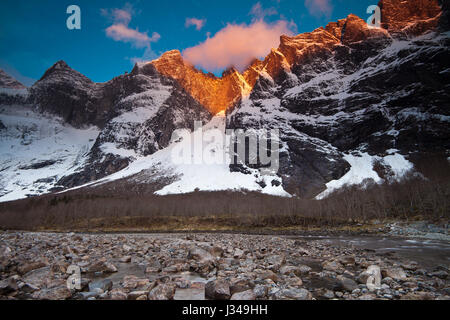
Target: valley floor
<point>222,266</point>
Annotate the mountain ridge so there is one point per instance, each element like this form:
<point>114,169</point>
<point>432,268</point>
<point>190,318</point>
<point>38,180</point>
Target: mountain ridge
<point>8,82</point>
<point>345,31</point>
<point>352,104</point>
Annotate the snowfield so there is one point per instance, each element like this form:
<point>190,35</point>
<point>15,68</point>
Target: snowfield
<point>362,169</point>
<point>203,170</point>
<point>36,151</point>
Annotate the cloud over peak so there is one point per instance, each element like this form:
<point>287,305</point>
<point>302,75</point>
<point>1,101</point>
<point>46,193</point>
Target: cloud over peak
<point>237,45</point>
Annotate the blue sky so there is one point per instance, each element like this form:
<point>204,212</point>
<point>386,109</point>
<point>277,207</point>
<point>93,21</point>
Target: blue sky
<point>115,34</point>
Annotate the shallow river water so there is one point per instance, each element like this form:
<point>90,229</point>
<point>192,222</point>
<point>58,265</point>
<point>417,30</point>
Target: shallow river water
<point>428,253</point>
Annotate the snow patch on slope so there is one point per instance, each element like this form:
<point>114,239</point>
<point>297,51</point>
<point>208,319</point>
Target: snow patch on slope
<point>362,169</point>
<point>211,174</point>
<point>36,151</point>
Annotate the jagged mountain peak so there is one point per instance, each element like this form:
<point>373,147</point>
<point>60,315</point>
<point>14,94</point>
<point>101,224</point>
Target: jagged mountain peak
<point>215,93</point>
<point>229,71</point>
<point>170,57</point>
<point>295,49</point>
<point>62,71</point>
<point>61,64</point>
<point>8,82</point>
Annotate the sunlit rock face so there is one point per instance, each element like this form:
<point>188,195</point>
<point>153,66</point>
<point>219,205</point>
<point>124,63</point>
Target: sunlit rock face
<point>219,94</point>
<point>214,93</point>
<point>353,89</point>
<point>410,17</point>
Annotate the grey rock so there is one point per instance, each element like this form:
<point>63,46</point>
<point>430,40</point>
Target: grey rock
<point>7,286</point>
<point>162,292</point>
<point>244,295</point>
<point>104,285</point>
<point>293,294</point>
<point>347,284</point>
<point>217,290</point>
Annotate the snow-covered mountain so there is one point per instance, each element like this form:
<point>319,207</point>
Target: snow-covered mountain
<point>351,103</point>
<point>8,82</point>
<point>351,96</point>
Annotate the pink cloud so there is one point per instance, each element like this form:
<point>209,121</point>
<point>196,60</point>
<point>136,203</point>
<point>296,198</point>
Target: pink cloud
<point>122,16</point>
<point>237,45</point>
<point>319,8</point>
<point>120,30</point>
<point>260,13</point>
<point>119,15</point>
<point>198,23</point>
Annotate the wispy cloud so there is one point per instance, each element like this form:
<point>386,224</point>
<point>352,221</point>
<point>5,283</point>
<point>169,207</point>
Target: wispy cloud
<point>258,12</point>
<point>319,8</point>
<point>198,23</point>
<point>148,55</point>
<point>237,45</point>
<point>121,31</point>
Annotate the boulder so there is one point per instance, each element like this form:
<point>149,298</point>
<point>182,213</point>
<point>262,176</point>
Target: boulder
<point>217,290</point>
<point>334,266</point>
<point>56,293</point>
<point>162,292</point>
<point>293,294</point>
<point>27,267</point>
<point>371,278</point>
<point>118,294</point>
<point>7,286</point>
<point>276,260</point>
<point>244,295</point>
<point>286,270</point>
<point>104,285</point>
<point>394,273</point>
<point>138,295</point>
<point>347,284</point>
<point>239,285</point>
<point>200,255</point>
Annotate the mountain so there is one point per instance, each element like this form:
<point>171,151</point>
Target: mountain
<point>216,94</point>
<point>8,82</point>
<point>350,94</point>
<point>11,90</point>
<point>352,104</point>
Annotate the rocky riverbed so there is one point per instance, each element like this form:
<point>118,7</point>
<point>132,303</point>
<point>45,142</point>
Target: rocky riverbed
<point>219,266</point>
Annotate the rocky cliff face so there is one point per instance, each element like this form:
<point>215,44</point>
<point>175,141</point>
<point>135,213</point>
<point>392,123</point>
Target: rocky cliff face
<point>348,89</point>
<point>410,18</point>
<point>216,94</point>
<point>8,82</point>
<point>130,116</point>
<point>67,93</point>
<point>143,122</point>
